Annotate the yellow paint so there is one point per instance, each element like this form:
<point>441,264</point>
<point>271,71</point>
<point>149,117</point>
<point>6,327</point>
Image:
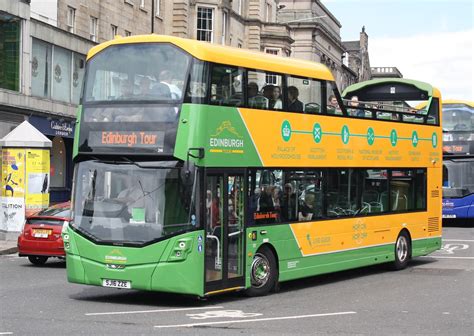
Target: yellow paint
<point>353,233</point>
<point>13,172</point>
<point>38,178</point>
<point>226,55</point>
<point>302,150</point>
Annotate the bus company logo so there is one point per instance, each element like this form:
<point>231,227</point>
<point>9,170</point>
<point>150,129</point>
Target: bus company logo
<point>115,257</point>
<point>226,139</point>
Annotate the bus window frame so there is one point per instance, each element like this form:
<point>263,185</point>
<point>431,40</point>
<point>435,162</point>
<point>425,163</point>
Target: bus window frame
<point>251,171</point>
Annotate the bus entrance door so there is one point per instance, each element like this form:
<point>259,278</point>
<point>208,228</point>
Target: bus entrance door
<point>224,231</point>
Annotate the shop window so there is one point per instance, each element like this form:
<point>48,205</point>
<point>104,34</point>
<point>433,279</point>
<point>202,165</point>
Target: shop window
<point>58,163</point>
<point>77,76</point>
<point>10,54</point>
<point>41,69</point>
<point>61,74</point>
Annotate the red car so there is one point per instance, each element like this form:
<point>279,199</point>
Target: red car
<point>41,235</point>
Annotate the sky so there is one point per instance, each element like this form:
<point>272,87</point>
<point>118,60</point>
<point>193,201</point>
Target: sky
<point>427,40</point>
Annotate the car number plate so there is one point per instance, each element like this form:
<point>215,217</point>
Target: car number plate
<point>41,233</point>
<point>116,283</point>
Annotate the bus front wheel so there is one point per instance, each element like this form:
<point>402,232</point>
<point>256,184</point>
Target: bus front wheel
<point>263,273</point>
<point>402,251</point>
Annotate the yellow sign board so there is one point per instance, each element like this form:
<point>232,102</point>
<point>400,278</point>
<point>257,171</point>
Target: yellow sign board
<point>38,178</point>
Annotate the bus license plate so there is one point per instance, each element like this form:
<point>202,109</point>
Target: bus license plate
<point>116,283</point>
<point>449,216</point>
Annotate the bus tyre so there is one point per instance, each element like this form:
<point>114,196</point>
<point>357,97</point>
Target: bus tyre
<point>37,260</point>
<point>402,251</point>
<point>263,273</point>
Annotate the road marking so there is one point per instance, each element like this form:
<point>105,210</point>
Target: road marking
<point>152,311</point>
<point>190,325</point>
<point>460,240</point>
<point>6,333</point>
<point>222,313</point>
<point>441,257</point>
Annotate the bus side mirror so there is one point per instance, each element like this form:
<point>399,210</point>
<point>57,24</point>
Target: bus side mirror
<point>200,155</point>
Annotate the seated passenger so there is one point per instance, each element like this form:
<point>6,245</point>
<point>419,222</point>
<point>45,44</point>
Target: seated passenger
<point>255,99</point>
<point>333,105</point>
<point>275,102</point>
<point>356,110</point>
<point>166,77</point>
<point>294,105</point>
<point>307,211</point>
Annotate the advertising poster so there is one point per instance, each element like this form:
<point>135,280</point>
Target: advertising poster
<point>13,189</point>
<point>13,213</point>
<point>37,178</point>
<point>13,172</point>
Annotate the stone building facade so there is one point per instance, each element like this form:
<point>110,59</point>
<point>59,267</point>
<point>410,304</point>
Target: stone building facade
<point>316,32</point>
<point>357,56</point>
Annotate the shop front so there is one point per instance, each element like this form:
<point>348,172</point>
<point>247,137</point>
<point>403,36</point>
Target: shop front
<point>61,134</point>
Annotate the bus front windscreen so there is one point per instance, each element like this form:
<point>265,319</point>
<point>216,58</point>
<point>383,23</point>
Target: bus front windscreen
<point>458,178</point>
<point>458,122</point>
<point>132,203</point>
<point>136,72</point>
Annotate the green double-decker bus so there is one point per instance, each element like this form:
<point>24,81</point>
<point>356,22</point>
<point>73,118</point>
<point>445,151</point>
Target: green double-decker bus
<point>201,169</point>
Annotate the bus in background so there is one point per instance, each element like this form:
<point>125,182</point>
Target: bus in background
<point>458,160</point>
<point>202,169</point>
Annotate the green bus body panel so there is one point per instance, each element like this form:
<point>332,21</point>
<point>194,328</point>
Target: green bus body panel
<point>292,265</point>
<point>75,148</point>
<point>209,127</point>
<point>153,267</point>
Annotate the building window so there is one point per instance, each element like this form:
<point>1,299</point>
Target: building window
<point>271,79</point>
<point>9,53</point>
<point>127,33</point>
<point>93,28</point>
<point>71,19</point>
<point>205,27</point>
<point>224,27</point>
<point>61,80</point>
<point>114,31</point>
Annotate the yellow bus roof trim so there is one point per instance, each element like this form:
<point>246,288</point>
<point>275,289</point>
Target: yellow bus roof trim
<point>227,55</point>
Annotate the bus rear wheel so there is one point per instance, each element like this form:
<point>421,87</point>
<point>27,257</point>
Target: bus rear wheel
<point>37,260</point>
<point>263,273</point>
<point>402,251</point>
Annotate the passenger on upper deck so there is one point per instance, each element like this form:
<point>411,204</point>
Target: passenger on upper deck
<point>356,110</point>
<point>255,99</point>
<point>294,105</point>
<point>166,77</point>
<point>333,105</point>
<point>276,102</point>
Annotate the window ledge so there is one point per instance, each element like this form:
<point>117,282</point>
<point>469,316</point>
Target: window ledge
<point>129,2</point>
<point>143,9</point>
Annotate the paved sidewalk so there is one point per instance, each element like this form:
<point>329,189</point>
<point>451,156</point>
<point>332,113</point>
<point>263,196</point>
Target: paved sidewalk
<point>8,247</point>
